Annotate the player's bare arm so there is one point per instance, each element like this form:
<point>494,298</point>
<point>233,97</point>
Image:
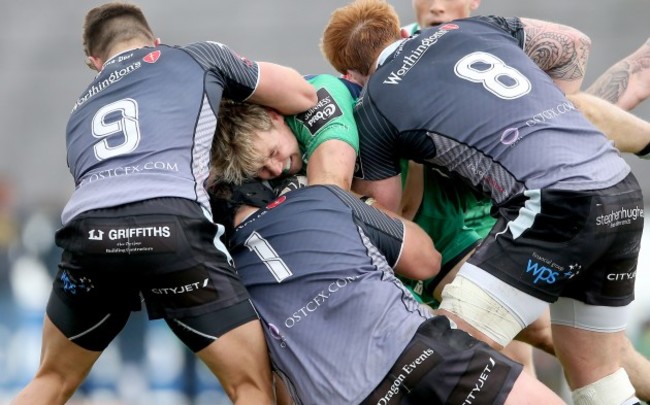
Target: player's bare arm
<point>561,51</point>
<point>284,89</point>
<point>387,192</point>
<point>332,163</point>
<point>627,82</point>
<point>630,133</point>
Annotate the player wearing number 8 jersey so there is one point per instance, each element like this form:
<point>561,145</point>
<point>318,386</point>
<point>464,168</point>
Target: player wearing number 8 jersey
<point>139,221</point>
<point>465,97</point>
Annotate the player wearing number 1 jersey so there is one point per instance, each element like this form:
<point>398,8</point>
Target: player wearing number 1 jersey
<point>465,97</point>
<point>340,327</point>
<point>139,221</point>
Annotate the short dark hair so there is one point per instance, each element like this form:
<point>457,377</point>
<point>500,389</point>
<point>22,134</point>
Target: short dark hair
<point>110,23</point>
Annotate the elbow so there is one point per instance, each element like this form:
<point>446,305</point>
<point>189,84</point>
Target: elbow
<point>436,261</point>
<point>429,264</point>
<point>585,40</point>
<point>582,44</point>
<point>310,97</point>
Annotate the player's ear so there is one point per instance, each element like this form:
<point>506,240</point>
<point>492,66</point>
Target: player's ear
<point>94,63</point>
<point>156,42</point>
<point>275,116</point>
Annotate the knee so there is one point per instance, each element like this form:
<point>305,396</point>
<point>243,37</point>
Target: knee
<point>63,383</point>
<point>539,335</point>
<point>615,388</point>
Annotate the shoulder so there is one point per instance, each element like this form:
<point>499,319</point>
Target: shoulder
<point>512,25</point>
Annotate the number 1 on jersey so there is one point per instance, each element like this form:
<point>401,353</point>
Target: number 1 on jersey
<point>268,256</point>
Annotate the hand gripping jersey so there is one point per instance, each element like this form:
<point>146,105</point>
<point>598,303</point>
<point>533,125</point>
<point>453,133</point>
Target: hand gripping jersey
<point>317,264</point>
<point>143,128</point>
<point>331,118</point>
<point>465,97</point>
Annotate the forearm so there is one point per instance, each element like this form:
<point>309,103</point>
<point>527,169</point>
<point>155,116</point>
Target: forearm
<point>630,133</point>
<point>284,89</point>
<point>413,191</point>
<point>627,82</point>
<point>387,192</point>
<point>419,259</point>
<point>332,163</point>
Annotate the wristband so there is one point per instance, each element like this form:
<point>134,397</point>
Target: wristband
<point>644,153</point>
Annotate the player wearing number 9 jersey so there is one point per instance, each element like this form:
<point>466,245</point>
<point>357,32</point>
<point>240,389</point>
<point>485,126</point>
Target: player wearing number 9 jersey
<point>139,223</point>
<point>465,97</point>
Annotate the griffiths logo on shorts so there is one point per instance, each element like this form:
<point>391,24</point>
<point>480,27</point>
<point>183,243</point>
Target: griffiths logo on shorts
<point>325,110</point>
<point>127,233</point>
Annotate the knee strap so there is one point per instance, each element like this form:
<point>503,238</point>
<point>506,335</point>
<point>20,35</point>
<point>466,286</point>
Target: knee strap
<point>614,389</point>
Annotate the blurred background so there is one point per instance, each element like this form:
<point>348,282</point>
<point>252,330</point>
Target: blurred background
<point>42,72</point>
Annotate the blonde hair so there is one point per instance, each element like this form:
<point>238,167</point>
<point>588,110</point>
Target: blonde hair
<point>234,157</point>
<point>357,33</point>
<point>111,23</point>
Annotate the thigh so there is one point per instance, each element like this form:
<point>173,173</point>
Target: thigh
<point>444,365</point>
<point>469,370</point>
<point>197,279</point>
<point>240,360</point>
<point>528,390</point>
<point>599,353</point>
<point>552,243</point>
<point>89,308</point>
<point>62,356</point>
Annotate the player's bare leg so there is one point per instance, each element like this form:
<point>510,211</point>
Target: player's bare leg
<point>64,366</point>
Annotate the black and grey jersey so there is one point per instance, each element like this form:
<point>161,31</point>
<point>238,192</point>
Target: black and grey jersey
<point>144,127</point>
<point>317,264</point>
<point>466,98</point>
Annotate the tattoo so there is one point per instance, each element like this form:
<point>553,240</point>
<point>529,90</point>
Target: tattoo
<point>557,52</point>
<point>612,84</point>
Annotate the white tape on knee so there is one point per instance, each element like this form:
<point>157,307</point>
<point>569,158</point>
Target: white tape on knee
<point>478,308</point>
<point>615,389</point>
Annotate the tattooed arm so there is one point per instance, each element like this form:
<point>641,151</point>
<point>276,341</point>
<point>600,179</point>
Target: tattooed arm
<point>627,82</point>
<point>560,50</point>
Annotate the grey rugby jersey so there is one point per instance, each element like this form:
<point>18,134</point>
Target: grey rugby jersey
<point>317,267</point>
<point>465,97</point>
<point>143,128</point>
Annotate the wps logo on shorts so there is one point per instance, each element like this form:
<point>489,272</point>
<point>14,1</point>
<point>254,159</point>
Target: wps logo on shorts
<point>541,273</point>
<point>325,111</point>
